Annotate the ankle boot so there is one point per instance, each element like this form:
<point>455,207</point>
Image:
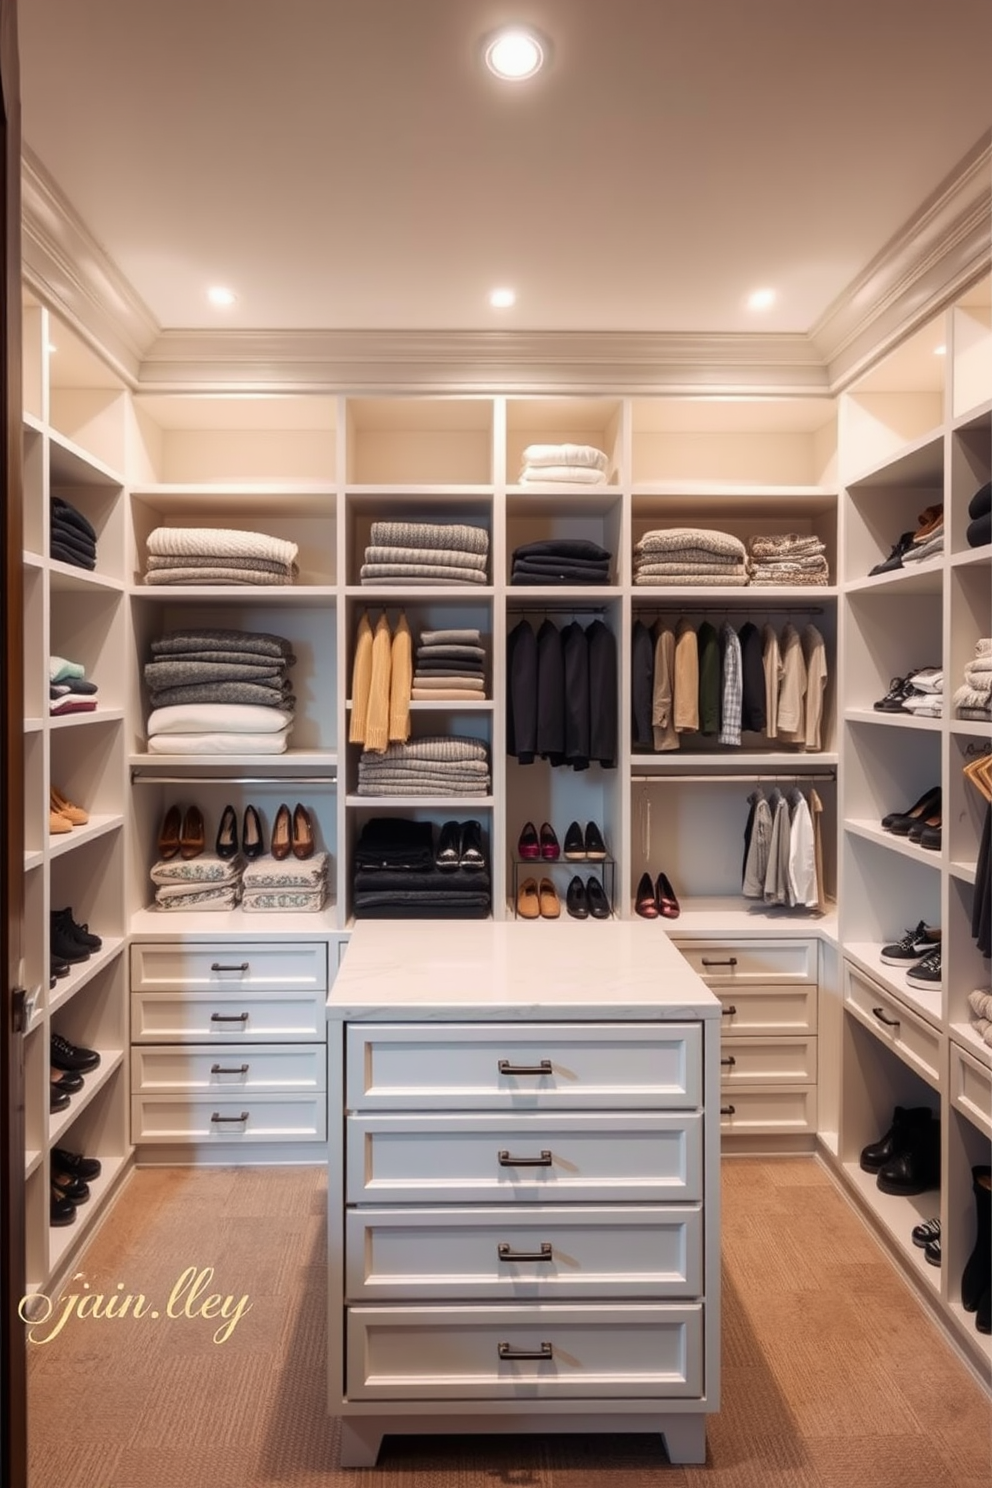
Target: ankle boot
<point>917,1168</point>
<point>905,1120</point>
<point>977,1275</point>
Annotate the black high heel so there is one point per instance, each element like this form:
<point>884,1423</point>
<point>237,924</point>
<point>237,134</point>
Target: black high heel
<point>227,834</point>
<point>252,842</point>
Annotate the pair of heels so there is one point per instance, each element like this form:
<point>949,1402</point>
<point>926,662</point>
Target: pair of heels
<point>579,846</point>
<point>182,833</point>
<point>290,833</point>
<point>656,900</point>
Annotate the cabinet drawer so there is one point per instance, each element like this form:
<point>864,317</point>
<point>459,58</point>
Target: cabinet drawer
<point>419,1158</point>
<point>783,1111</point>
<point>782,1009</point>
<point>547,1066</point>
<point>767,1061</point>
<point>242,1118</point>
<point>293,1068</point>
<point>471,1353</point>
<point>259,966</point>
<point>756,961</point>
<point>225,1017</point>
<point>892,1023</point>
<point>971,1088</point>
<point>549,1252</point>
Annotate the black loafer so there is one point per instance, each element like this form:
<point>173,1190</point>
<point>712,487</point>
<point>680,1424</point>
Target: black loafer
<point>66,1056</point>
<point>87,1168</point>
<point>599,905</point>
<point>575,844</point>
<point>62,1211</point>
<point>576,900</point>
<point>448,853</point>
<point>470,850</point>
<point>58,1099</point>
<point>71,1188</point>
<point>595,846</point>
<point>69,1081</point>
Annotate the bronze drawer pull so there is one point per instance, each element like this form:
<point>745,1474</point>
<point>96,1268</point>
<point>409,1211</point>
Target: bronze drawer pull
<point>889,1022</point>
<point>238,1119</point>
<point>218,1069</point>
<point>507,1351</point>
<point>506,1068</point>
<point>730,961</point>
<point>544,1161</point>
<point>504,1252</point>
<point>229,1017</point>
<point>730,1061</point>
<point>727,1110</point>
<point>216,966</point>
<point>728,1012</point>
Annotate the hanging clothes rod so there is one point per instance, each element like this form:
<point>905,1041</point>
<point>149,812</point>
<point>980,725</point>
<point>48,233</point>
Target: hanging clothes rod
<point>567,607</point>
<point>722,609</point>
<point>743,777</point>
<point>142,777</point>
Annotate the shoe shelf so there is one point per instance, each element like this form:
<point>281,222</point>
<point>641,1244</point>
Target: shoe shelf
<point>60,1121</point>
<point>68,987</point>
<point>872,832</point>
<point>64,1242</point>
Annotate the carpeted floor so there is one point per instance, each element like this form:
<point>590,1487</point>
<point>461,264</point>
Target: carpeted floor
<point>833,1377</point>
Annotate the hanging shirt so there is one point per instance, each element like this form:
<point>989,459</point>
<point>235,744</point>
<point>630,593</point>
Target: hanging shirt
<point>753,711</point>
<point>603,732</point>
<point>400,682</point>
<point>642,682</point>
<point>377,721</point>
<point>792,692</point>
<point>816,812</point>
<point>686,678</point>
<point>521,692</point>
<point>663,700</point>
<point>730,713</point>
<point>802,862</point>
<point>549,705</point>
<point>361,680</point>
<point>776,886</point>
<point>815,656</point>
<point>757,846</point>
<point>771,661</point>
<point>710,678</point>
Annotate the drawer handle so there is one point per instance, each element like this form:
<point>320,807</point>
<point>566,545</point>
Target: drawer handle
<point>730,961</point>
<point>218,1069</point>
<point>730,1061</point>
<point>889,1022</point>
<point>229,1017</point>
<point>506,1068</point>
<point>728,1012</point>
<point>505,1253</point>
<point>216,966</point>
<point>238,1119</point>
<point>727,1110</point>
<point>544,1161</point>
<point>507,1351</point>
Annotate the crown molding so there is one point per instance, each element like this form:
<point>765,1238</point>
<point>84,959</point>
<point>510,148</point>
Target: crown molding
<point>944,246</point>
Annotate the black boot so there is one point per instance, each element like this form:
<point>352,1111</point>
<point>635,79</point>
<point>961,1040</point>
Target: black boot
<point>983,1313</point>
<point>916,1168</point>
<point>897,1138</point>
<point>977,1275</point>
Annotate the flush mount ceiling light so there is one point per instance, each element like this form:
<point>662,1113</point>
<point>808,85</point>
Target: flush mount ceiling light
<point>515,54</point>
<point>761,299</point>
<point>220,296</point>
<point>502,299</point>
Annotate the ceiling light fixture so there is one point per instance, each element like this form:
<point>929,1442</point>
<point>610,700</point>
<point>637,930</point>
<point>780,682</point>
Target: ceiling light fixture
<point>220,296</point>
<point>515,54</point>
<point>761,299</point>
<point>502,299</point>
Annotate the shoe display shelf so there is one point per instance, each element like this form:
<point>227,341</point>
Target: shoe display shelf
<point>73,449</point>
<point>561,872</point>
<point>916,432</point>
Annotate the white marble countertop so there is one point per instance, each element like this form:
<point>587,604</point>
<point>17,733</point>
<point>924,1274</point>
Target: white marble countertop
<point>515,970</point>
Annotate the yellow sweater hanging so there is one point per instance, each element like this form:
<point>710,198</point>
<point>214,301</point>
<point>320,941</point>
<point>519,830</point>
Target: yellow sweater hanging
<point>361,679</point>
<point>400,683</point>
<point>377,721</point>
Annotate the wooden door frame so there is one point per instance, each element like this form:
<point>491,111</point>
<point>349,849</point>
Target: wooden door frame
<point>13,1362</point>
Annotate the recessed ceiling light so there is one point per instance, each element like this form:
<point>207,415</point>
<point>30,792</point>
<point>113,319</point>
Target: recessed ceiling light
<point>761,299</point>
<point>502,299</point>
<point>515,54</point>
<point>221,296</point>
<point>940,351</point>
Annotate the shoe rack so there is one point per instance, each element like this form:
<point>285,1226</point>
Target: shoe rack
<point>915,431</point>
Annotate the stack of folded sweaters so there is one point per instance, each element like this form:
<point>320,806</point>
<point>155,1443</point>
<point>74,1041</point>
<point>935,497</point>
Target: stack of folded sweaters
<point>216,691</point>
<point>216,555</point>
<point>450,667</point>
<point>690,556</point>
<point>979,530</point>
<point>69,691</point>
<point>580,464</point>
<point>561,560</point>
<point>973,699</point>
<point>205,882</point>
<point>73,537</point>
<point>980,1013</point>
<point>289,884</point>
<point>928,540</point>
<point>788,558</point>
<point>396,877</point>
<point>426,767</point>
<point>401,553</point>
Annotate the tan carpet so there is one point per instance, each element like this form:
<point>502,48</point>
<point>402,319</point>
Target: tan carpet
<point>833,1375</point>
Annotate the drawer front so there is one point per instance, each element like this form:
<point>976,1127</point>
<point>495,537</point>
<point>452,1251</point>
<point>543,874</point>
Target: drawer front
<point>243,1118</point>
<point>971,1088</point>
<point>259,966</point>
<point>413,1158</point>
<point>293,1068</point>
<point>548,1252</point>
<point>755,961</point>
<point>225,1018</point>
<point>782,1009</point>
<point>791,1109</point>
<point>535,1352</point>
<point>892,1023</point>
<point>767,1061</point>
<point>542,1066</point>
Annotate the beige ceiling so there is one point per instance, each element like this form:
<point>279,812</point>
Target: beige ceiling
<point>348,164</point>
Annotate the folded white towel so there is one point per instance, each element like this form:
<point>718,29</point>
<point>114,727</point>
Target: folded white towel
<point>566,454</point>
<point>230,718</point>
<point>218,743</point>
<point>580,475</point>
<point>220,542</point>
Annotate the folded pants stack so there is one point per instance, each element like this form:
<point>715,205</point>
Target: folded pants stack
<point>219,692</point>
<point>69,691</point>
<point>205,882</point>
<point>788,559</point>
<point>979,531</point>
<point>450,667</point>
<point>291,884</point>
<point>579,464</point>
<point>417,553</point>
<point>73,537</point>
<point>426,767</point>
<point>973,699</point>
<point>215,555</point>
<point>561,560</point>
<point>690,555</point>
<point>396,876</point>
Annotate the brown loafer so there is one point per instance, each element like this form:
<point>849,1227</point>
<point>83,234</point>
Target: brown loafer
<point>528,902</point>
<point>548,899</point>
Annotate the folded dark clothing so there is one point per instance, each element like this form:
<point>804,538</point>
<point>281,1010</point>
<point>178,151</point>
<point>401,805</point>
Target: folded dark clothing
<point>395,842</point>
<point>223,692</point>
<point>450,668</point>
<point>562,547</point>
<point>981,714</point>
<point>78,684</point>
<point>405,896</point>
<point>450,652</point>
<point>552,560</point>
<point>255,642</point>
<point>592,573</point>
<point>64,512</point>
<point>979,531</point>
<point>62,554</point>
<point>981,503</point>
<point>184,672</point>
<point>71,537</point>
<point>564,576</point>
<point>425,880</point>
<point>421,912</point>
